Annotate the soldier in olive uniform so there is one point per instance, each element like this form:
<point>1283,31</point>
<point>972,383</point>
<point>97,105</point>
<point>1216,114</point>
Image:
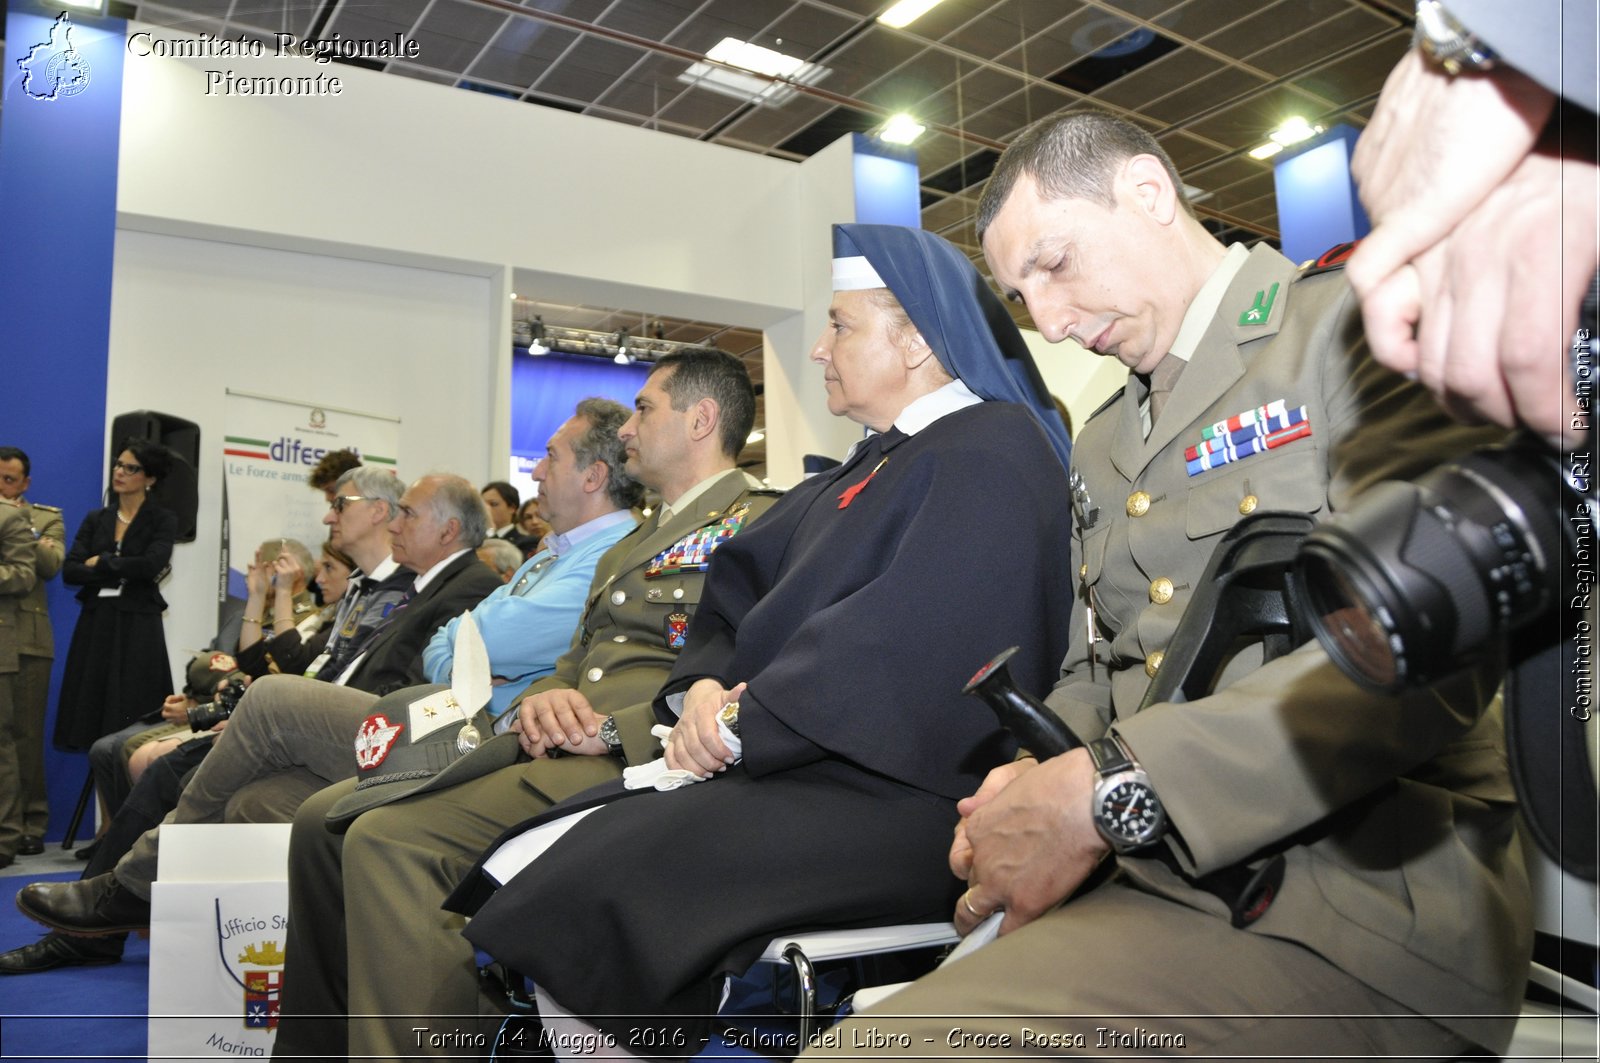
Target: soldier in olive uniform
<point>17,579</point>
<point>35,647</point>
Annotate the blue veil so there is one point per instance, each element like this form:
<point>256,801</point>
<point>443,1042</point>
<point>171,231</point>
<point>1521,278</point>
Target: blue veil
<point>963,321</point>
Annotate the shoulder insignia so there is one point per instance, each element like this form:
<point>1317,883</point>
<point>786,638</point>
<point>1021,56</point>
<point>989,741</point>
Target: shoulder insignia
<point>1106,405</point>
<point>1333,258</point>
<point>47,509</point>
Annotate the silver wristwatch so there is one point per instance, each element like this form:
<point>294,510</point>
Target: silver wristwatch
<point>1447,42</point>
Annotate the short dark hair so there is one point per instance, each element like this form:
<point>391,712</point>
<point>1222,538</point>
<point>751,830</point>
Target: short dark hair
<point>1072,156</point>
<point>334,464</point>
<point>155,458</point>
<point>599,442</point>
<point>709,373</point>
<point>17,454</point>
<point>508,494</point>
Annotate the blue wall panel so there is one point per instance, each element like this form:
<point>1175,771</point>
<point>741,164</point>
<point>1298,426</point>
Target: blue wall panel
<point>58,206</point>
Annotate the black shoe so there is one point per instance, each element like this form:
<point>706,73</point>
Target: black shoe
<point>58,950</point>
<point>87,852</point>
<point>30,846</point>
<point>90,907</point>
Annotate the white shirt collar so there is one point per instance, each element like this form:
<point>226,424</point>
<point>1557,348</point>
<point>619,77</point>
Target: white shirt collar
<point>381,572</point>
<point>687,499</point>
<point>1198,317</point>
<point>427,577</point>
<point>921,412</point>
<point>560,544</point>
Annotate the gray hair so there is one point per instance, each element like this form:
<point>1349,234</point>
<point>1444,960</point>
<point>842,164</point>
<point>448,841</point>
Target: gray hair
<point>599,442</point>
<point>505,557</point>
<point>378,485</point>
<point>457,499</point>
<point>1072,156</point>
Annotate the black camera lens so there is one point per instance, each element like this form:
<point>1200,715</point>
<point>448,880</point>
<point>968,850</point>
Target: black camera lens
<point>1413,580</point>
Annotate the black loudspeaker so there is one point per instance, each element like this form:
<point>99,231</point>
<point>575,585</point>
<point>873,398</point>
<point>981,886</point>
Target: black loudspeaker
<point>179,490</point>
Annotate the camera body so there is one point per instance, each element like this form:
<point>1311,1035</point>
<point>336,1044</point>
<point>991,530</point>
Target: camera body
<point>205,717</point>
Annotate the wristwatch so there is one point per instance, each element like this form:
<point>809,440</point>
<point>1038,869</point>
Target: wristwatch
<point>612,737</point>
<point>1126,810</point>
<point>1447,42</point>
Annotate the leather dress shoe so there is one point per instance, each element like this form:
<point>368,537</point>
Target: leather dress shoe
<point>30,846</point>
<point>90,907</point>
<point>58,950</point>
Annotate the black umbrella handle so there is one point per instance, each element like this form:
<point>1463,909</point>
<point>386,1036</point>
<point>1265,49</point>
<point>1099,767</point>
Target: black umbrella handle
<point>1037,729</point>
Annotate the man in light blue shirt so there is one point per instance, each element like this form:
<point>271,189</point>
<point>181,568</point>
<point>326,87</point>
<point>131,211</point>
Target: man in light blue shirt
<point>587,499</point>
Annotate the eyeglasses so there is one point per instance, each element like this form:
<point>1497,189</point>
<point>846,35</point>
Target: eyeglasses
<point>127,467</point>
<point>340,501</point>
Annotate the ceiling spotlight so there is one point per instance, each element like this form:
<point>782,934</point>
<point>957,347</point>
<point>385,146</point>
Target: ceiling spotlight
<point>1294,131</point>
<point>536,345</point>
<point>901,129</point>
<point>1265,151</point>
<point>621,340</point>
<point>755,437</point>
<point>906,12</point>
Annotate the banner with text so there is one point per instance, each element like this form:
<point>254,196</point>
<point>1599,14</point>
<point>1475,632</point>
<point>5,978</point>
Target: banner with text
<point>268,452</point>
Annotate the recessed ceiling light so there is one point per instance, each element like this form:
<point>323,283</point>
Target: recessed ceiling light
<point>1294,131</point>
<point>1265,151</point>
<point>901,129</point>
<point>906,12</point>
<point>752,57</point>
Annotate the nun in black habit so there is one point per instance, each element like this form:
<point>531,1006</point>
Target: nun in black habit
<point>842,627</point>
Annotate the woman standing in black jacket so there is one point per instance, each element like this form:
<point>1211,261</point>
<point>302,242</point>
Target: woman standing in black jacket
<point>117,664</point>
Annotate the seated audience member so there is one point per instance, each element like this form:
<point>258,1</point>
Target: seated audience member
<point>533,527</point>
<point>529,623</point>
<point>398,862</point>
<point>291,652</point>
<point>277,588</point>
<point>258,770</point>
<point>502,501</point>
<point>1401,925</point>
<point>501,557</point>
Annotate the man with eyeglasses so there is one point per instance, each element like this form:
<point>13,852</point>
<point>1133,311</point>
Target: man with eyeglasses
<point>34,647</point>
<point>417,570</point>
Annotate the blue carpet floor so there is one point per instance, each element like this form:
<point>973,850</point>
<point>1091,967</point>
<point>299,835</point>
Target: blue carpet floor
<point>75,1012</point>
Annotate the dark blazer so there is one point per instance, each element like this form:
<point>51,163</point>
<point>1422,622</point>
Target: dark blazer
<point>393,657</point>
<point>145,553</point>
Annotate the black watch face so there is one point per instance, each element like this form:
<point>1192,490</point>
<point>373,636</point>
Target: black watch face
<point>1130,811</point>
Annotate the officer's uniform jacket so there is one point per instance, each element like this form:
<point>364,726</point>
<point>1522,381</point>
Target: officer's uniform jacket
<point>632,628</point>
<point>17,578</point>
<point>1394,814</point>
<point>34,637</point>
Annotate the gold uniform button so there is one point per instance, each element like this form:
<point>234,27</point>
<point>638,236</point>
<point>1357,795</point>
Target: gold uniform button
<point>1152,663</point>
<point>1248,504</point>
<point>1138,504</point>
<point>595,674</point>
<point>1083,571</point>
<point>1161,590</point>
